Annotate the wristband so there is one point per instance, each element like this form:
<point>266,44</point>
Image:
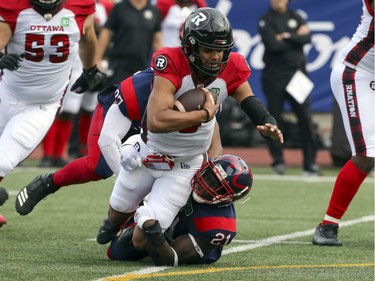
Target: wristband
<point>207,115</point>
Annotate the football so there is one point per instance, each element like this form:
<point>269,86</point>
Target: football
<point>192,100</point>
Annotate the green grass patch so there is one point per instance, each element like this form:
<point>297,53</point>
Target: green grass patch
<point>56,240</point>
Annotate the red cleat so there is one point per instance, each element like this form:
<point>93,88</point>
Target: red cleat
<point>2,221</point>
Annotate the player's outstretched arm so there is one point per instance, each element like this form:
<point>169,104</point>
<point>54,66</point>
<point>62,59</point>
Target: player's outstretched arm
<point>258,113</point>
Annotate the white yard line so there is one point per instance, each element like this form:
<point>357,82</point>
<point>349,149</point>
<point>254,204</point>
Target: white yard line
<point>256,244</point>
<point>300,178</point>
<point>280,238</point>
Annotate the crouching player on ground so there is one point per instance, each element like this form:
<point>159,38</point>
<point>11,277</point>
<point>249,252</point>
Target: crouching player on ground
<point>201,229</point>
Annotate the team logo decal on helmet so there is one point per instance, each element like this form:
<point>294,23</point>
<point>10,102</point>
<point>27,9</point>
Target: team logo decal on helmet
<point>200,20</point>
<point>161,62</point>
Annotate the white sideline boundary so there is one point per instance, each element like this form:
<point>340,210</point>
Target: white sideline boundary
<point>256,244</point>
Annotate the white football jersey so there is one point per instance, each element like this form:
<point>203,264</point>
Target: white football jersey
<point>50,49</point>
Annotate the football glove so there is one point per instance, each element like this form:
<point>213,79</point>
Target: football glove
<point>91,79</point>
<point>10,61</point>
<point>130,158</point>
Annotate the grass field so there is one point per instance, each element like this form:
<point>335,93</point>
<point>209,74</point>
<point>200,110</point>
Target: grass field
<point>57,240</point>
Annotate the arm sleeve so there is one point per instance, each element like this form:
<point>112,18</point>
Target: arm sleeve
<point>115,127</point>
<point>256,111</point>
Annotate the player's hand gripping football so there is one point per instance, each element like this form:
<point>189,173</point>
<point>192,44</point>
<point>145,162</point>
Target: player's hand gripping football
<point>210,105</point>
<point>10,61</point>
<point>91,79</point>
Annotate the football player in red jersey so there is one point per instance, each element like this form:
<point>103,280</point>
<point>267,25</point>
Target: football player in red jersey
<point>352,83</point>
<point>171,158</point>
<point>204,225</point>
<point>41,40</point>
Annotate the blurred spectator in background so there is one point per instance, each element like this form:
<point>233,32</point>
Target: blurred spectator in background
<point>352,83</point>
<point>174,13</point>
<point>284,33</point>
<point>130,35</point>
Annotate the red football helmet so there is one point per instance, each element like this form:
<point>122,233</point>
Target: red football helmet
<point>222,181</point>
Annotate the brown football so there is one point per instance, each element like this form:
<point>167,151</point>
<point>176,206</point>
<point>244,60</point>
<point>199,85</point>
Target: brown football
<point>192,100</point>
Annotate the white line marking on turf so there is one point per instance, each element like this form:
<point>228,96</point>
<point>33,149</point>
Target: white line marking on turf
<point>302,178</point>
<point>280,238</point>
<point>260,243</point>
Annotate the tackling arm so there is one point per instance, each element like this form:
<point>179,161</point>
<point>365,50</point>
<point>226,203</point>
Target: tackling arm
<point>114,129</point>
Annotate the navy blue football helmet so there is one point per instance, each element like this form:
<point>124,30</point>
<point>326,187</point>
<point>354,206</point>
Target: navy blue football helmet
<point>222,181</point>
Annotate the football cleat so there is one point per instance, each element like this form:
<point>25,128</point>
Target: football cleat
<point>107,231</point>
<point>3,221</point>
<point>3,195</point>
<point>326,235</point>
<point>34,192</point>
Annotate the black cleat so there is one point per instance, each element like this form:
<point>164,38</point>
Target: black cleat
<point>3,195</point>
<point>326,235</point>
<point>34,192</point>
<point>107,231</point>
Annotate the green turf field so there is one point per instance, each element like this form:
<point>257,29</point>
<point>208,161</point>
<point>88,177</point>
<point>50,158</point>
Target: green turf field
<point>57,240</point>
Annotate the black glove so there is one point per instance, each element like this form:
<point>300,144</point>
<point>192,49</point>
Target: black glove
<point>91,80</point>
<point>10,61</point>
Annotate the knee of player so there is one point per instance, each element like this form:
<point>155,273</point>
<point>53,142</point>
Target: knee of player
<point>120,204</point>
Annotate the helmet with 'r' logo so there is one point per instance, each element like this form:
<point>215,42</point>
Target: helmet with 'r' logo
<point>210,29</point>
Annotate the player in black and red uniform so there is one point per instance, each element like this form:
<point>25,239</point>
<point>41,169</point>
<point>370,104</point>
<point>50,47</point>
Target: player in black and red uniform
<point>204,225</point>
